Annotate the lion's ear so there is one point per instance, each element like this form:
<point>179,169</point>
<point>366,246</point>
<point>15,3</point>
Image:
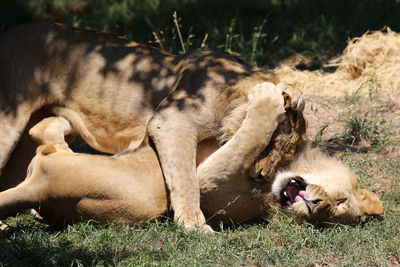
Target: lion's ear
<point>369,202</point>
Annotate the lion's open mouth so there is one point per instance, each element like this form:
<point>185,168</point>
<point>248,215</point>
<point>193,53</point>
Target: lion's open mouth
<point>293,190</point>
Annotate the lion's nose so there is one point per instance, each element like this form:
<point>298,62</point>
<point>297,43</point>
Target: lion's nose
<point>311,204</point>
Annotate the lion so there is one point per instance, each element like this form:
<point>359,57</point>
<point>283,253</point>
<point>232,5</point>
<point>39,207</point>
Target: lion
<point>114,86</point>
<point>129,187</point>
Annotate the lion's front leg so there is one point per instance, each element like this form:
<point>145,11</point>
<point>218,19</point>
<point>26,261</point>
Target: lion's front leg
<point>174,134</point>
<point>234,158</point>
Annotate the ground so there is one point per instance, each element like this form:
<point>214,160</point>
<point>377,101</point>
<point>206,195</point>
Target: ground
<point>377,114</point>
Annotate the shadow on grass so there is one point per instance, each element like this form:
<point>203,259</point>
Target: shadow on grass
<point>39,245</point>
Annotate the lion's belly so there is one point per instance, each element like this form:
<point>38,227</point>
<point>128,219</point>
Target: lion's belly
<point>115,129</point>
<point>113,138</point>
<point>114,112</point>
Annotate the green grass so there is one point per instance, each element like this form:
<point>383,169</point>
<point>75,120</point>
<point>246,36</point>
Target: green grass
<point>357,129</point>
<point>279,242</point>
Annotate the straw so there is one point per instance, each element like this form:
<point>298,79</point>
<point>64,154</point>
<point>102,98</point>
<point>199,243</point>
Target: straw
<point>371,61</point>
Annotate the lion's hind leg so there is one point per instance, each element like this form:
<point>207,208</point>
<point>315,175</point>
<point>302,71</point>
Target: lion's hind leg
<point>25,196</point>
<point>18,199</point>
<point>51,131</point>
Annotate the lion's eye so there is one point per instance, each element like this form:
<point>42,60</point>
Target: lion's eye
<point>341,201</point>
<point>316,201</point>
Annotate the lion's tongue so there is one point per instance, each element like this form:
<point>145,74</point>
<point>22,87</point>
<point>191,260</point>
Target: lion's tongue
<point>295,193</point>
<point>300,196</point>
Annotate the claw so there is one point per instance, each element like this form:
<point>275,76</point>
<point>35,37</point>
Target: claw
<point>300,105</point>
<point>287,100</point>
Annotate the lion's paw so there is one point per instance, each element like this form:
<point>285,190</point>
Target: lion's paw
<point>192,219</point>
<point>266,99</point>
<point>263,92</point>
<point>297,102</point>
<point>204,228</point>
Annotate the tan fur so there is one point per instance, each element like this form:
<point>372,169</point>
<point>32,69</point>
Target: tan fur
<point>113,86</point>
<point>65,186</point>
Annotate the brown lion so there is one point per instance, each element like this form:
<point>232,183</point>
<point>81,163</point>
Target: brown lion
<point>69,187</point>
<point>113,87</point>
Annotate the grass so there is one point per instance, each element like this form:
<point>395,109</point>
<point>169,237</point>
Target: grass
<point>366,118</point>
<point>372,129</point>
<point>279,242</point>
<point>358,129</point>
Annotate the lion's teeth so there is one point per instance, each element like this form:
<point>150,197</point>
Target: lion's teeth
<point>292,181</point>
<point>285,193</point>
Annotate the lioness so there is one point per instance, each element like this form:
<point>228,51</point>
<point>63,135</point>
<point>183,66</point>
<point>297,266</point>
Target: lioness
<point>114,86</point>
<point>66,186</point>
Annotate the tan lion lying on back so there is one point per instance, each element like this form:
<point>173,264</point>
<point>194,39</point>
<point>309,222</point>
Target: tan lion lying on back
<point>66,186</point>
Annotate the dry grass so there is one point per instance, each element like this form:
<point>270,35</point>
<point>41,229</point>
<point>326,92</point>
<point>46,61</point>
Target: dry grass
<point>365,84</point>
<point>372,61</point>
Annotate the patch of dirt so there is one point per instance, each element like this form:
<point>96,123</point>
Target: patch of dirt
<point>392,261</point>
<point>325,116</point>
<point>326,261</point>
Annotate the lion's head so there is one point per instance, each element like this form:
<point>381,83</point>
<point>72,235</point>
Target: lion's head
<point>316,187</point>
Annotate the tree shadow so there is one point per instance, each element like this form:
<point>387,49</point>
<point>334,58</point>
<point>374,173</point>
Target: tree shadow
<point>33,245</point>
